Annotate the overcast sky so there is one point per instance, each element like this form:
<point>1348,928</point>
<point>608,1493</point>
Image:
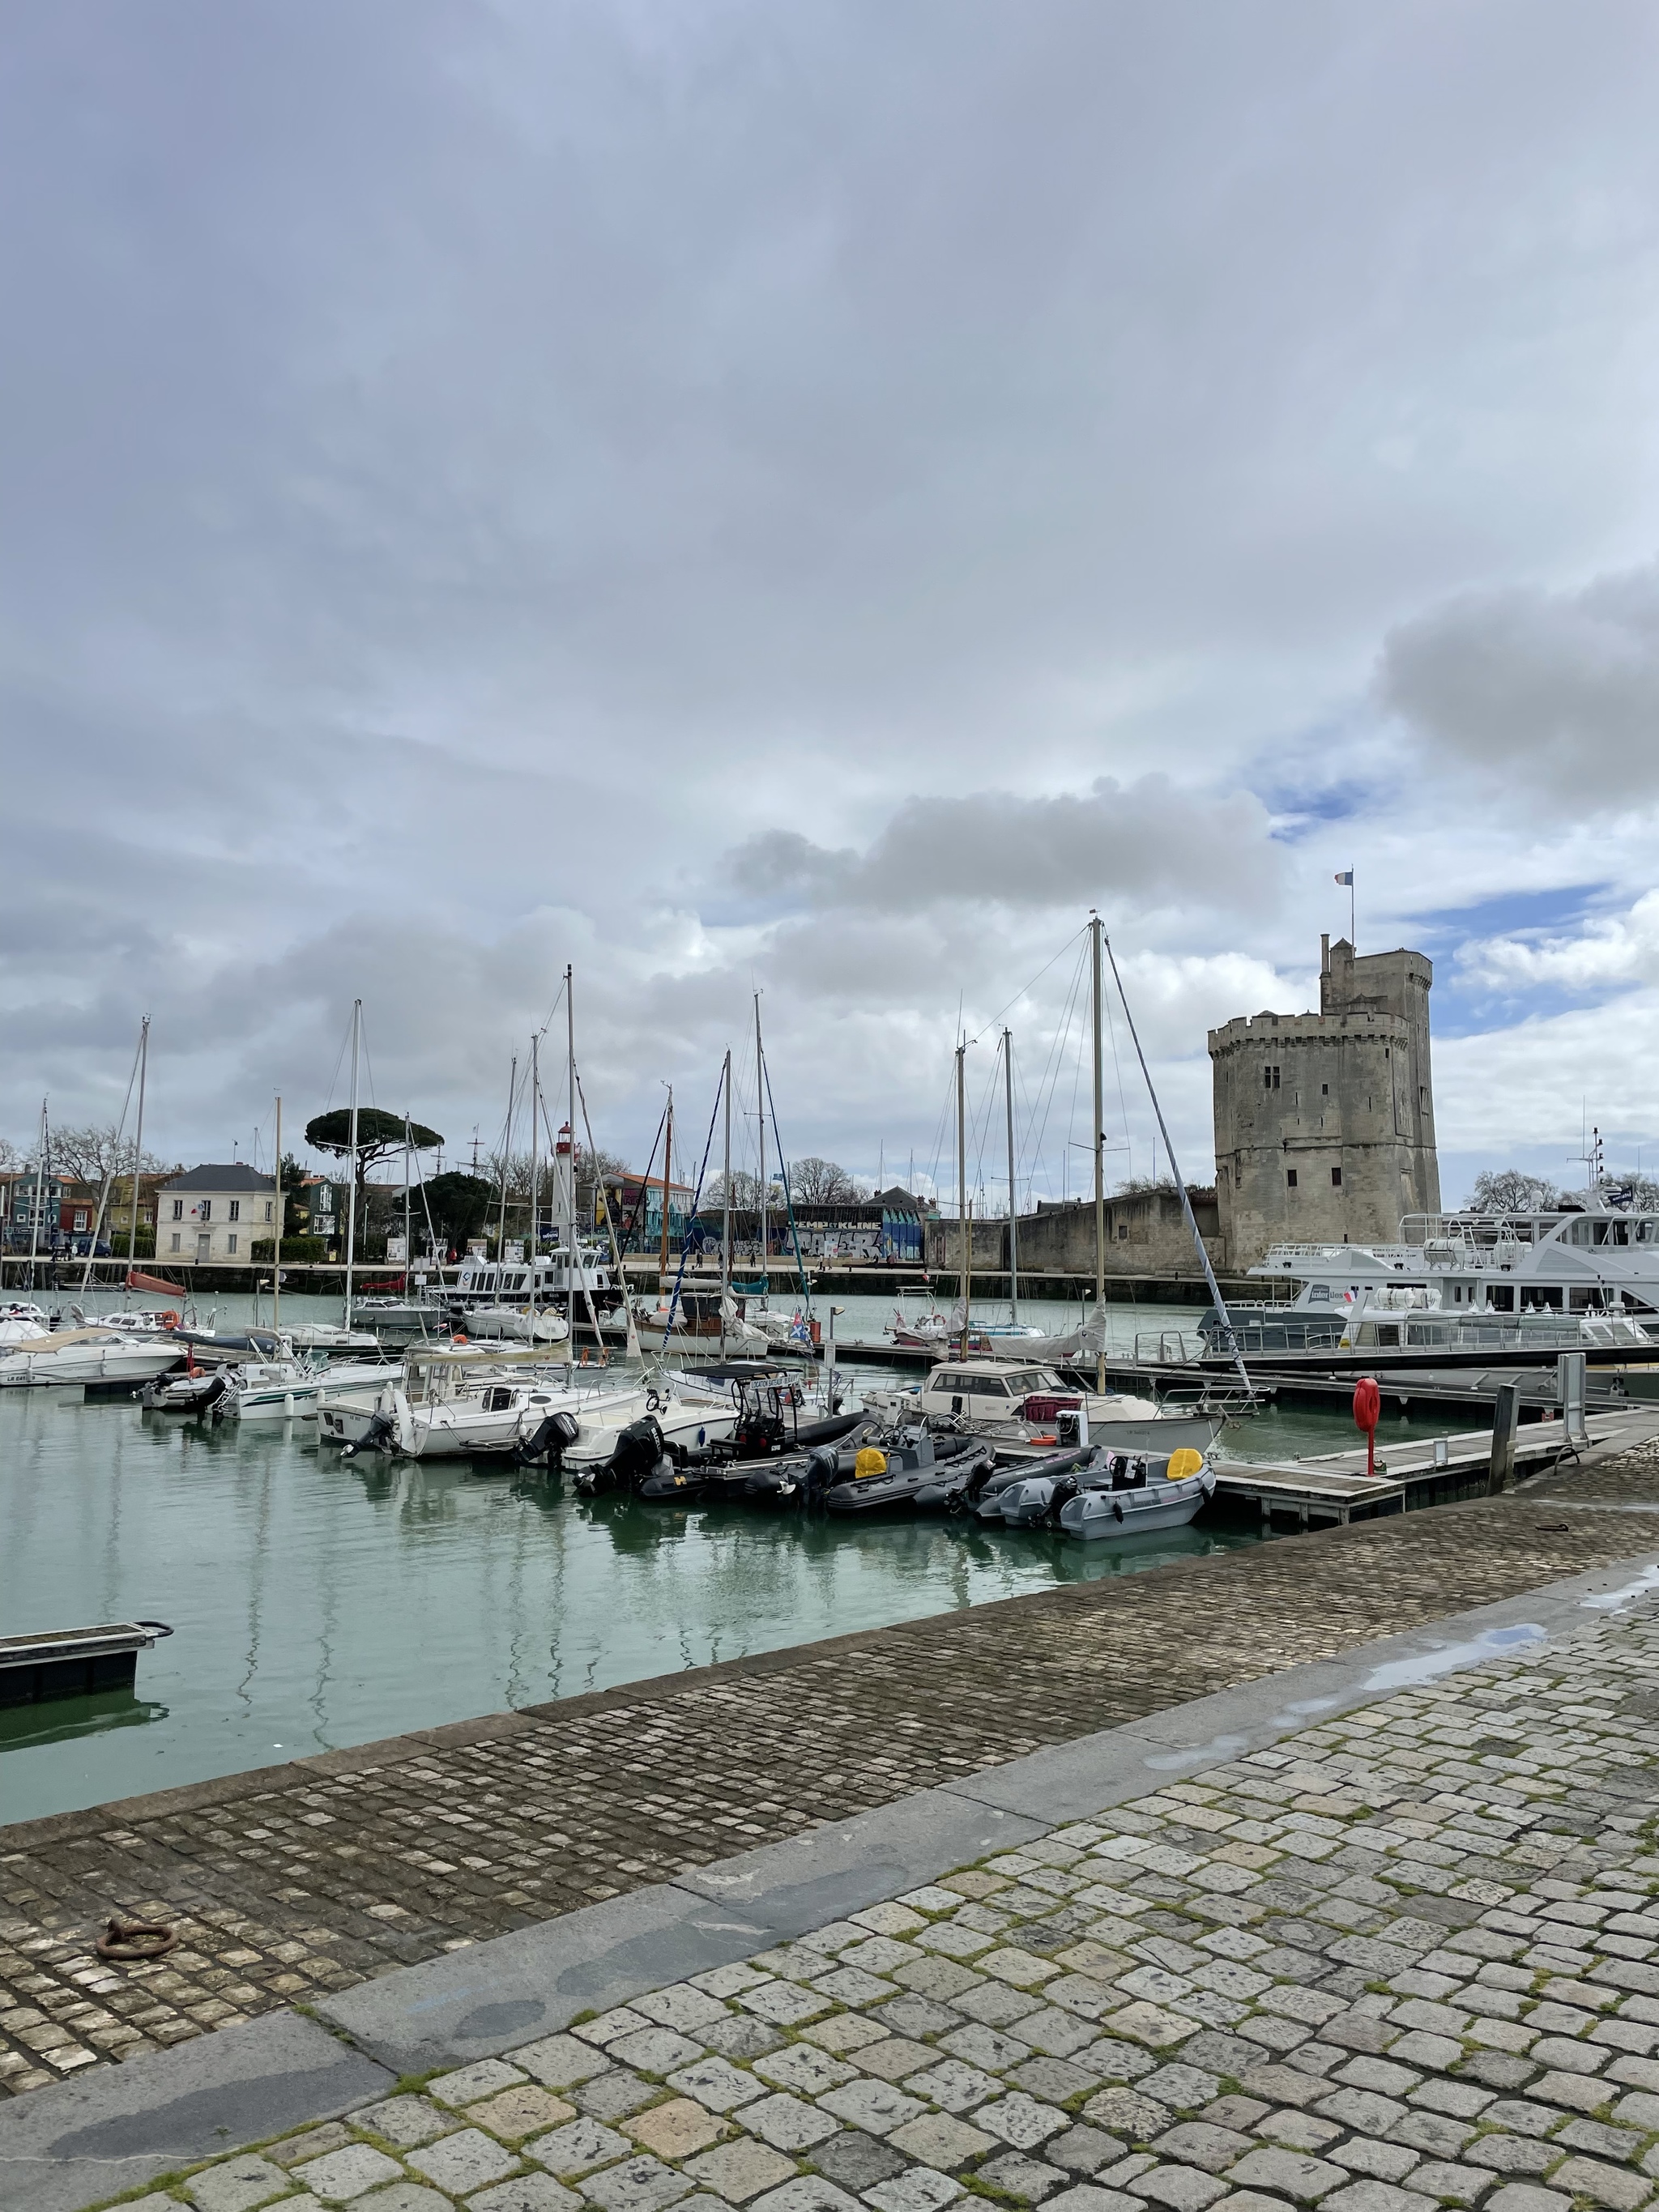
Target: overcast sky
<point>812,499</point>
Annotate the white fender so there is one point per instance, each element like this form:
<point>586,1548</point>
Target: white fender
<point>405,1422</point>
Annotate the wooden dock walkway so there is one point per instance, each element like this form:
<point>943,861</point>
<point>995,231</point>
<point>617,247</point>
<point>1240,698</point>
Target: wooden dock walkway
<point>1332,1488</point>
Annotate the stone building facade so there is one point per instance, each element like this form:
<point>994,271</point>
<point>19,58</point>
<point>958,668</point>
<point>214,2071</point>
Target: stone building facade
<point>1324,1123</point>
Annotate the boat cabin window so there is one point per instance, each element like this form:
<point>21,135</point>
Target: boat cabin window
<point>497,1399</point>
<point>1319,1290</point>
<point>990,1385</point>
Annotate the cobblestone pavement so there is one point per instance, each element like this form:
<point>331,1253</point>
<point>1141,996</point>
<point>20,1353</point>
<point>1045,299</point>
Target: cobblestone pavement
<point>299,1879</point>
<point>1406,1959</point>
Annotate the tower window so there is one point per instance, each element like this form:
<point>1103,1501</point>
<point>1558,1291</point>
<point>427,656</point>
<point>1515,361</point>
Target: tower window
<point>1270,1078</point>
<point>1336,1178</point>
<point>1324,1089</point>
<point>1290,1178</point>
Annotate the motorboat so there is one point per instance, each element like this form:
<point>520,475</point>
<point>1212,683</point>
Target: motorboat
<point>93,1354</point>
<point>517,1325</point>
<point>1146,1491</point>
<point>492,1421</point>
<point>21,1322</point>
<point>326,1336</point>
<point>688,1416</point>
<point>1483,1280</point>
<point>288,1390</point>
<point>1020,1409</point>
<point>1106,1493</point>
<point>551,1278</point>
<point>198,1390</point>
<point>345,1407</point>
<point>916,1470</point>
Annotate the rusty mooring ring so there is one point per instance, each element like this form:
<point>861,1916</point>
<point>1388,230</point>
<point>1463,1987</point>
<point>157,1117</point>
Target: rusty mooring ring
<point>123,1939</point>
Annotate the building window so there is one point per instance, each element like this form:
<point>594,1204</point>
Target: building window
<point>81,1220</point>
<point>177,1240</point>
<point>235,1209</point>
<point>230,1241</point>
<point>267,1205</point>
<point>1270,1078</point>
<point>178,1212</point>
<point>1290,1178</point>
<point>1336,1178</point>
<point>206,1213</point>
<point>1324,1089</point>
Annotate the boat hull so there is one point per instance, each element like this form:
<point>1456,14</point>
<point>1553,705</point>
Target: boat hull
<point>1103,1515</point>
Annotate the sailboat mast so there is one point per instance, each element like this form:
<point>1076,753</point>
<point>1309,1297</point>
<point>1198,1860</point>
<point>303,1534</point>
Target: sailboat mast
<point>760,1124</point>
<point>408,1241</point>
<point>572,1246</point>
<point>138,1146</point>
<point>726,1204</point>
<point>38,1207</point>
<point>964,1231</point>
<point>351,1189</point>
<point>276,1227</point>
<point>1013,1194</point>
<point>1095,934</point>
<point>535,1162</point>
<point>507,1165</point>
<point>667,1170</point>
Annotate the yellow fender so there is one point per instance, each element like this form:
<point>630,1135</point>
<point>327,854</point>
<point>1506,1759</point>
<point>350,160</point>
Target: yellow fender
<point>869,1462</point>
<point>1184,1463</point>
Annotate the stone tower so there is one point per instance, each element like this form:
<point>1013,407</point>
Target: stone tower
<point>1324,1123</point>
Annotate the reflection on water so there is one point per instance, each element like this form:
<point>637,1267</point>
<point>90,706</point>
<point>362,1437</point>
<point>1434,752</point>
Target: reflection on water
<point>319,1600</point>
<point>58,1720</point>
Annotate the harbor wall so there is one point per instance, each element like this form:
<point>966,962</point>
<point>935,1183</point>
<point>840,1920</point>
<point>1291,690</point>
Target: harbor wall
<point>1146,1234</point>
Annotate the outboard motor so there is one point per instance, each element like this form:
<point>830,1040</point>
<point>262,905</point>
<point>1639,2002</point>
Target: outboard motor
<point>380,1434</point>
<point>822,1469</point>
<point>549,1439</point>
<point>1071,1428</point>
<point>640,1450</point>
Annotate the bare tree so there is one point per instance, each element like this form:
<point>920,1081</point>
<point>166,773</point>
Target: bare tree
<point>745,1192</point>
<point>89,1152</point>
<point>813,1182</point>
<point>1511,1190</point>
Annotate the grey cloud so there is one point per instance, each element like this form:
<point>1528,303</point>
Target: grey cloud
<point>463,468</point>
<point>1150,844</point>
<point>1551,690</point>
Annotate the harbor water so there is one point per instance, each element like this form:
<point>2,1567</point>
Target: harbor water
<point>318,1602</point>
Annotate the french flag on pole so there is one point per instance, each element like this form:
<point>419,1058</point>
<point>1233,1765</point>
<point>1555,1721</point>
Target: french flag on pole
<point>1346,877</point>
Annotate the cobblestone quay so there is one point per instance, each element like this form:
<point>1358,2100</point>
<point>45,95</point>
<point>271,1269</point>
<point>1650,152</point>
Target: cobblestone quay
<point>296,1880</point>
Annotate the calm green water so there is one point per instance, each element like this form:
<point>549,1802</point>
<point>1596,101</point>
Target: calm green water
<point>319,1601</point>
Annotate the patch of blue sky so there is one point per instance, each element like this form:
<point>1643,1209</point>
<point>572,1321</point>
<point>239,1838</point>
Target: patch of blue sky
<point>1459,1008</point>
<point>1557,912</point>
<point>1298,812</point>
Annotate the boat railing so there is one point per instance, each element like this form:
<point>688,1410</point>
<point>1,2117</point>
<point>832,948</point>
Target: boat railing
<point>1169,1347</point>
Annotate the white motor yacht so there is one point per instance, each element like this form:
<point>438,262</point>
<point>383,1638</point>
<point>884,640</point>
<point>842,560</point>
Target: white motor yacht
<point>21,1322</point>
<point>87,1355</point>
<point>1018,1409</point>
<point>288,1390</point>
<point>516,1325</point>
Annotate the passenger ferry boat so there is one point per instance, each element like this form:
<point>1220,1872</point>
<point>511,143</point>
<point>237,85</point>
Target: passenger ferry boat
<point>549,1280</point>
<point>1586,1271</point>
